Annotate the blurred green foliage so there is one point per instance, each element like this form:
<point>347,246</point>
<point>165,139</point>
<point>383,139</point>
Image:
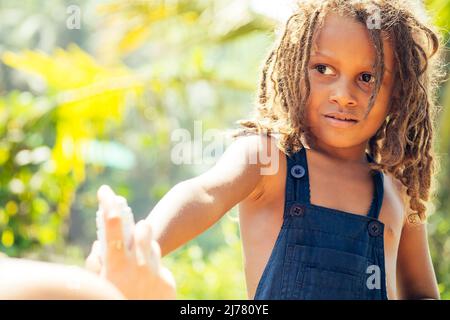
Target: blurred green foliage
<point>34,206</point>
<point>439,221</point>
<point>84,107</point>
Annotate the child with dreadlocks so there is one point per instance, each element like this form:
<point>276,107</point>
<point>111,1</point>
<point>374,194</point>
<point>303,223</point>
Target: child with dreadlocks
<point>346,108</point>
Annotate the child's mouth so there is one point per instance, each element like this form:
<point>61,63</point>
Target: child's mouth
<point>340,123</point>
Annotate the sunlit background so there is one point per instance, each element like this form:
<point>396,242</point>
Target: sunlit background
<point>90,92</point>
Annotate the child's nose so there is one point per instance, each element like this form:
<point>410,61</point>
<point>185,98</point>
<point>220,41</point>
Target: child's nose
<point>342,94</point>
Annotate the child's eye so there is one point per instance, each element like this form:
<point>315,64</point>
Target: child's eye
<point>367,78</point>
<point>323,69</point>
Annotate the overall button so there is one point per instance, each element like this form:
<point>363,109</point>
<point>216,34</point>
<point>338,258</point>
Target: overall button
<point>374,228</point>
<point>296,210</point>
<point>297,171</point>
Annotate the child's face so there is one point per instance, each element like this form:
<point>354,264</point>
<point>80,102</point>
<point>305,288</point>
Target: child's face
<point>342,80</point>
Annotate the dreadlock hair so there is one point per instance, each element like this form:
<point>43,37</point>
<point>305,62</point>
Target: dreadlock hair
<point>403,145</point>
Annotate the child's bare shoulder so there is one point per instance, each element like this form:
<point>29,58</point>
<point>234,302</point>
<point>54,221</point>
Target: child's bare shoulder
<point>257,142</point>
<point>260,148</point>
<point>262,154</point>
<point>238,173</point>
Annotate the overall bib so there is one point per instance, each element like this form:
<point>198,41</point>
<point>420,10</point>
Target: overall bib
<point>324,253</point>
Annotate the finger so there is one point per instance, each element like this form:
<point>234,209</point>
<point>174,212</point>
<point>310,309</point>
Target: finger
<point>103,194</point>
<point>115,249</point>
<point>155,247</point>
<point>125,210</point>
<point>156,250</point>
<point>121,200</point>
<point>142,240</point>
<point>93,261</point>
<point>169,279</point>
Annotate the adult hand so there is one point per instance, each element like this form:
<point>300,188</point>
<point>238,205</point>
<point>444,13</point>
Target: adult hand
<point>136,271</point>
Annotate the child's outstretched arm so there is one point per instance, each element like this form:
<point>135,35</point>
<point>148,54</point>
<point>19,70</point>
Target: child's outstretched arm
<point>416,277</point>
<point>192,206</point>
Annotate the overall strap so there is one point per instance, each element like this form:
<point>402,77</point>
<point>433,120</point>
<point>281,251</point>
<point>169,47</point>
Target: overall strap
<point>375,207</point>
<point>297,179</point>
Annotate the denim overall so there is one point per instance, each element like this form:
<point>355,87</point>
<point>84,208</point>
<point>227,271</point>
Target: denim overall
<point>324,253</point>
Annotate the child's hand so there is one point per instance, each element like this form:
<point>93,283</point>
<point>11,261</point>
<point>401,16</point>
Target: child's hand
<point>137,271</point>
